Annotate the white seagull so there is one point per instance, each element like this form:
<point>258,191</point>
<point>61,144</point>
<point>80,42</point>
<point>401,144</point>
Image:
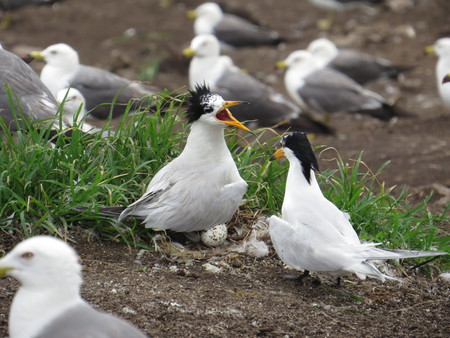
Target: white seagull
<point>323,91</point>
<point>30,97</point>
<point>202,187</point>
<point>99,87</point>
<point>48,303</point>
<point>232,31</point>
<point>359,66</point>
<point>442,49</point>
<point>267,109</point>
<point>312,233</point>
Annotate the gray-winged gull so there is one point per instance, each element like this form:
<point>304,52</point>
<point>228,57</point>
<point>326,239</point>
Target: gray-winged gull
<point>312,233</point>
<point>98,86</point>
<point>359,66</point>
<point>442,49</point>
<point>30,97</point>
<point>267,108</point>
<point>326,91</point>
<point>231,30</point>
<point>48,303</point>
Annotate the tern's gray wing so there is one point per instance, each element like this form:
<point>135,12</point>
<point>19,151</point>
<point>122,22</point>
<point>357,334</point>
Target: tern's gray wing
<point>363,67</point>
<point>328,91</point>
<point>266,106</point>
<point>83,321</point>
<point>29,94</point>
<point>238,32</point>
<point>99,86</point>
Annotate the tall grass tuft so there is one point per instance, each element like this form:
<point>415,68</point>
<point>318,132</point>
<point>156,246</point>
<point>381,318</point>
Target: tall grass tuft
<point>42,184</point>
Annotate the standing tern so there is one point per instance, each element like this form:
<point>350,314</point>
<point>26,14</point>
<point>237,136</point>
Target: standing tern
<point>312,233</point>
<point>48,303</point>
<point>201,188</point>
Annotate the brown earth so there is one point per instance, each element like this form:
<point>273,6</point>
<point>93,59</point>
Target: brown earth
<point>249,297</point>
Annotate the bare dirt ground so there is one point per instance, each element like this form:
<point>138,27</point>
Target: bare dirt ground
<point>249,297</point>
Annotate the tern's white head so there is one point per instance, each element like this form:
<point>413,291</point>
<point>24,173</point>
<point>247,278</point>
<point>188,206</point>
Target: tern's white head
<point>323,50</point>
<point>59,55</point>
<point>210,108</point>
<point>296,147</point>
<point>42,262</point>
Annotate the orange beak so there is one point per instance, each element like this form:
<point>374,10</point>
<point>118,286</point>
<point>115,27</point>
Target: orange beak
<point>225,116</point>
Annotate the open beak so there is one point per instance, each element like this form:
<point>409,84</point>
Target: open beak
<point>225,116</point>
<point>189,52</point>
<point>278,154</point>
<point>192,14</point>
<point>281,64</point>
<point>4,270</point>
<point>430,50</point>
<point>446,78</point>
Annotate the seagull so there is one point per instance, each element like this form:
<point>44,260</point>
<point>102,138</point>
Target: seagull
<point>99,87</point>
<point>29,96</point>
<point>232,31</point>
<point>312,233</point>
<point>267,109</point>
<point>333,6</point>
<point>48,303</point>
<point>323,91</point>
<point>202,187</point>
<point>74,109</point>
<point>442,49</point>
<point>359,66</point>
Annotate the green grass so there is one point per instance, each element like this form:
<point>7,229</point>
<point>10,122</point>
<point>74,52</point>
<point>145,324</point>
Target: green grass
<point>42,185</point>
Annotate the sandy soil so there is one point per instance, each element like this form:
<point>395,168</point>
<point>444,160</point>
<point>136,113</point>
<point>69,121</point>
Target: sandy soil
<point>249,297</point>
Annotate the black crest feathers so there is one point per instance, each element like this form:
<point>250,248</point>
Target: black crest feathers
<point>198,102</point>
<point>299,144</point>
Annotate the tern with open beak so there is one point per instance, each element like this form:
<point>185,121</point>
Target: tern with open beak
<point>202,187</point>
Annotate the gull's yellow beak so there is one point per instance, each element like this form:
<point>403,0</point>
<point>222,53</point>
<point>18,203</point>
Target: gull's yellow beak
<point>37,55</point>
<point>192,14</point>
<point>281,64</point>
<point>430,50</point>
<point>225,116</point>
<point>4,270</point>
<point>189,52</point>
<point>279,153</point>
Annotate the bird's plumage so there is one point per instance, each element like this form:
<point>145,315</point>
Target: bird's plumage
<point>321,90</point>
<point>359,66</point>
<point>267,107</point>
<point>442,49</point>
<point>99,87</point>
<point>231,30</point>
<point>202,187</point>
<point>312,233</point>
<point>30,97</point>
<point>48,303</point>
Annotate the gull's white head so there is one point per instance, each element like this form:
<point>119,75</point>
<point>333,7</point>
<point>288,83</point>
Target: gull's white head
<point>202,46</point>
<point>442,47</point>
<point>207,16</point>
<point>211,109</point>
<point>42,262</point>
<point>323,50</point>
<point>59,55</point>
<point>300,59</point>
<point>74,102</point>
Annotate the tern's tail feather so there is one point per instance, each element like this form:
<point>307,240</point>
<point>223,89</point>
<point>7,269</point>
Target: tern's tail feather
<point>107,211</point>
<point>368,269</point>
<point>376,254</point>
